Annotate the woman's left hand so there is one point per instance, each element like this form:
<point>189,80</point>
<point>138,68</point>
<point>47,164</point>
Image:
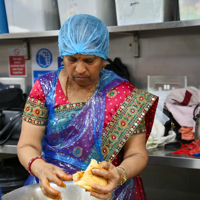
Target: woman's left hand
<point>112,174</point>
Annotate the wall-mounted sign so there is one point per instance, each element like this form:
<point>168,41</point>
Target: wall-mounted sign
<point>60,62</point>
<point>17,63</point>
<point>44,60</point>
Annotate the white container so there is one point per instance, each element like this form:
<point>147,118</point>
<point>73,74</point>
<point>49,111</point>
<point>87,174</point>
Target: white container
<point>145,11</point>
<point>33,192</point>
<point>32,15</point>
<point>103,9</point>
<point>189,9</point>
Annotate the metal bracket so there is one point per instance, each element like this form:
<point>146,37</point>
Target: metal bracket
<point>136,45</point>
<point>26,48</point>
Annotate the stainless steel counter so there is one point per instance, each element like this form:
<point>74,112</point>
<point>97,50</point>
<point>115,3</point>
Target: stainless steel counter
<point>171,177</point>
<point>158,157</point>
<point>163,157</point>
<point>10,147</point>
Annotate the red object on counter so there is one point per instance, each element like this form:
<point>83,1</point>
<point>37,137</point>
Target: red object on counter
<point>190,149</point>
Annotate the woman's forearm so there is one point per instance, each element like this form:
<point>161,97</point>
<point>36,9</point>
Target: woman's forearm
<point>26,153</point>
<point>135,155</point>
<point>30,143</point>
<point>134,164</point>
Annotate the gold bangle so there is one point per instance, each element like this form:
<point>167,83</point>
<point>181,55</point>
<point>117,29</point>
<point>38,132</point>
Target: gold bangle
<point>125,175</point>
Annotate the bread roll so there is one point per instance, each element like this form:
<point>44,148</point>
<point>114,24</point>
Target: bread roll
<point>85,179</point>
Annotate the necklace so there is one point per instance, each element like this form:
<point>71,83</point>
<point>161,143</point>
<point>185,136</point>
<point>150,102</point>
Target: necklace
<point>68,91</point>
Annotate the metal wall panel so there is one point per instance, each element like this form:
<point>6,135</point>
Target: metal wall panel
<point>162,52</point>
<point>121,45</point>
<point>169,52</point>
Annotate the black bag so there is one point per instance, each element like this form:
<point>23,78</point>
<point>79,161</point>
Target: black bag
<point>12,98</point>
<point>118,67</point>
<point>173,125</point>
<point>12,102</point>
<point>10,124</point>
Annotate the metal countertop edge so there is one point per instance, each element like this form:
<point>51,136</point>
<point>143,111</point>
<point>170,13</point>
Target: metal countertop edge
<point>169,160</point>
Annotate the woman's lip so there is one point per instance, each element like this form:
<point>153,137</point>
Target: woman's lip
<point>81,78</point>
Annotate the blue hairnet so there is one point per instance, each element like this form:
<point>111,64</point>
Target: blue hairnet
<point>83,34</point>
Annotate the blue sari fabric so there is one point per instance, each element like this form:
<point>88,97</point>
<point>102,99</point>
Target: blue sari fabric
<point>74,131</point>
<point>70,136</point>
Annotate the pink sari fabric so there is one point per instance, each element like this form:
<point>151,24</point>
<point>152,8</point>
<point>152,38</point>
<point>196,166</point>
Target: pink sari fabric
<point>114,99</point>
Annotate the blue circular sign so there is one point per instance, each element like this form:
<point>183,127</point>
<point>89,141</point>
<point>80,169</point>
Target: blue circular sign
<point>44,58</point>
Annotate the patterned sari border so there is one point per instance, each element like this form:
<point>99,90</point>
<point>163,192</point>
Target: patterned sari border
<point>35,112</point>
<point>125,122</point>
<point>69,107</point>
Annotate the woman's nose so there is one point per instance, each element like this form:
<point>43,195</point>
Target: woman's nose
<point>80,68</point>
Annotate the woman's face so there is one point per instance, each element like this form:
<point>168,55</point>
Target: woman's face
<point>83,69</point>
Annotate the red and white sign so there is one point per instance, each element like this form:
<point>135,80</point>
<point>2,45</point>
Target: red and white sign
<point>17,63</point>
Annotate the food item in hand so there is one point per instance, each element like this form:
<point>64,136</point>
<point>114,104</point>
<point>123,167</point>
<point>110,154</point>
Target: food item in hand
<point>86,179</point>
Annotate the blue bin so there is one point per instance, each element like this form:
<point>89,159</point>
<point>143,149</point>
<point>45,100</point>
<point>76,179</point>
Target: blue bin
<point>3,18</point>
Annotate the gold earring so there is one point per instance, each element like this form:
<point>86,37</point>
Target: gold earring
<point>104,66</point>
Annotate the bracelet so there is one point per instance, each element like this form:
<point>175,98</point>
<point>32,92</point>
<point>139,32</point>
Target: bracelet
<point>31,161</point>
<point>125,175</point>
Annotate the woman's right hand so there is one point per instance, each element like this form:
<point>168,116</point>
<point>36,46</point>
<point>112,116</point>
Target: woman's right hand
<point>29,147</point>
<point>47,173</point>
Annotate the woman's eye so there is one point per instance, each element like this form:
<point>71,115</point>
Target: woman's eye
<point>72,60</point>
<point>89,61</point>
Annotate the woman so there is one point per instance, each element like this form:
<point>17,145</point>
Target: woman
<point>82,112</point>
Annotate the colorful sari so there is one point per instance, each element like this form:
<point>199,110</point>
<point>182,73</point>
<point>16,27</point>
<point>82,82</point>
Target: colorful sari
<point>99,128</point>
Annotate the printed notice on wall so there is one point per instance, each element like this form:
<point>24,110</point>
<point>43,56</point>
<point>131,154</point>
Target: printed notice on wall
<point>17,63</point>
<point>44,60</point>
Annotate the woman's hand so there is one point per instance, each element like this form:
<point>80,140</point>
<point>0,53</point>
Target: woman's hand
<point>112,174</point>
<point>50,173</point>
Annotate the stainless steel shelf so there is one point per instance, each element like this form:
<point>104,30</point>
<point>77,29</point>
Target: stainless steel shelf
<point>53,33</point>
<point>111,29</point>
<point>155,26</point>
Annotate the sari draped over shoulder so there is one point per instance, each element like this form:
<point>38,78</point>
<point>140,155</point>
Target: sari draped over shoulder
<point>75,133</point>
